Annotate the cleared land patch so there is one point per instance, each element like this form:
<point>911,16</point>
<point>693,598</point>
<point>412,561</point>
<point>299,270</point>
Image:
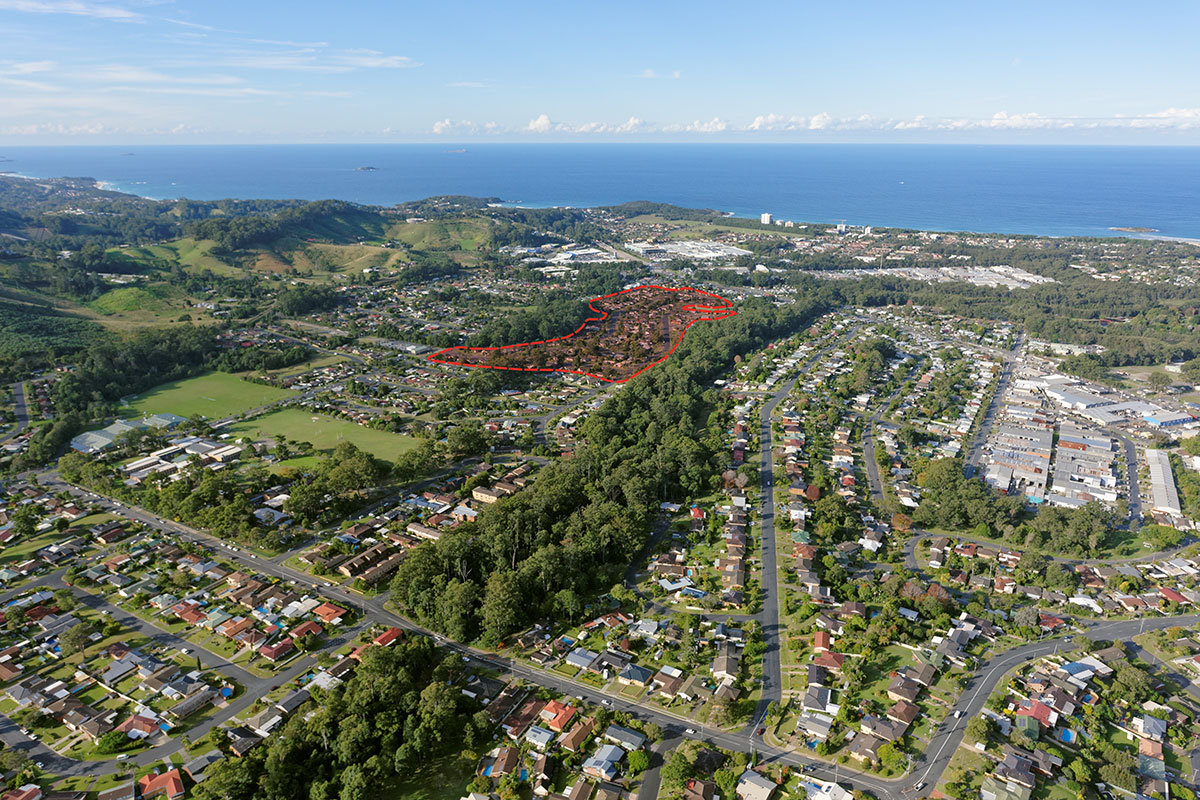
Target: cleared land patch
<point>633,330</point>
<point>467,234</point>
<point>324,432</point>
<point>214,395</point>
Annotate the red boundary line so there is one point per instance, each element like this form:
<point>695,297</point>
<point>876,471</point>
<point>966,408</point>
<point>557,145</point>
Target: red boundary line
<point>603,315</point>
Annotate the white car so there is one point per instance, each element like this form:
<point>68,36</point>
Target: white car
<point>123,756</point>
<point>690,731</point>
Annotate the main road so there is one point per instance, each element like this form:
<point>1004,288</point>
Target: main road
<point>989,417</point>
<point>768,617</point>
<point>21,409</point>
<point>1131,472</point>
<point>926,768</point>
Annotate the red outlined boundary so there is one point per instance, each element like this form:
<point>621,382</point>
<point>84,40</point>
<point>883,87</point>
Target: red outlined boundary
<point>728,308</point>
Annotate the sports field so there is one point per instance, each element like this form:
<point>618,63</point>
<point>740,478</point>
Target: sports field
<point>324,432</point>
<point>215,395</point>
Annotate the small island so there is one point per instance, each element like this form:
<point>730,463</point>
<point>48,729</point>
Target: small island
<point>1134,230</point>
<point>368,169</point>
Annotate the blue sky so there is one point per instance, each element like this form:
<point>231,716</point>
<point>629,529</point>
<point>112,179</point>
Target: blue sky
<point>118,71</point>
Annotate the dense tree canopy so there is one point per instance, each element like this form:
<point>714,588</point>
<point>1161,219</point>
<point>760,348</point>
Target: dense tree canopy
<point>580,523</point>
<point>396,713</point>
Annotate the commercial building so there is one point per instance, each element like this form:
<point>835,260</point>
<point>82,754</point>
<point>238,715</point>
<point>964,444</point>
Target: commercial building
<point>1162,483</point>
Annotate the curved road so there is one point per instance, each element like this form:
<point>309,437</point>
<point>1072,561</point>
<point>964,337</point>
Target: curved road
<point>928,767</point>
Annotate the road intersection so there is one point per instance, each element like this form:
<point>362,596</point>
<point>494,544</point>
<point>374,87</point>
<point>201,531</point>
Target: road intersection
<point>926,768</point>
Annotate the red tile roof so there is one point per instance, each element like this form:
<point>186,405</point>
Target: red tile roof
<point>169,784</point>
<point>274,651</point>
<point>1039,711</point>
<point>387,637</point>
<point>308,628</point>
<point>1173,596</point>
<point>328,612</point>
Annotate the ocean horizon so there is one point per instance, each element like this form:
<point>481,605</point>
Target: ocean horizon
<point>1049,190</point>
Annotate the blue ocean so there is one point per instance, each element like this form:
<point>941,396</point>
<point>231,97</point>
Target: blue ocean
<point>1046,190</point>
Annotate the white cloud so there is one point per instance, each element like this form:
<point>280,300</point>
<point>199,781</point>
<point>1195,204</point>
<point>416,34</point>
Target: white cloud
<point>56,129</point>
<point>12,74</point>
<point>198,91</point>
<point>1180,118</point>
<point>286,43</point>
<point>27,67</point>
<point>543,124</point>
<point>820,122</point>
<point>314,57</point>
<point>196,25</point>
<point>1171,119</point>
<point>73,7</point>
<point>777,122</point>
<point>714,125</point>
<point>914,124</point>
<point>35,86</point>
<point>374,59</point>
<point>631,125</point>
<point>464,127</point>
<point>125,73</point>
<point>540,124</point>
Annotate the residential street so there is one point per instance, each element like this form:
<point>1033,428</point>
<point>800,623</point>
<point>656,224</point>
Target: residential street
<point>21,409</point>
<point>927,768</point>
<point>772,673</point>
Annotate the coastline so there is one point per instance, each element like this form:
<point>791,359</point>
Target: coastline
<point>113,186</point>
<point>1162,237</point>
<point>933,189</point>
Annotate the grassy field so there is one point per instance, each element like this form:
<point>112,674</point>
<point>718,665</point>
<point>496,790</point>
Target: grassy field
<point>324,432</point>
<point>136,298</point>
<point>188,252</point>
<point>468,234</point>
<point>214,395</point>
<point>443,779</point>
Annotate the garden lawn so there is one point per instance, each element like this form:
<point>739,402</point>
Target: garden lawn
<point>214,395</point>
<point>875,686</point>
<point>324,432</point>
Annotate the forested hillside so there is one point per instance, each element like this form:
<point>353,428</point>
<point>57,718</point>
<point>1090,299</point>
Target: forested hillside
<point>571,534</point>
